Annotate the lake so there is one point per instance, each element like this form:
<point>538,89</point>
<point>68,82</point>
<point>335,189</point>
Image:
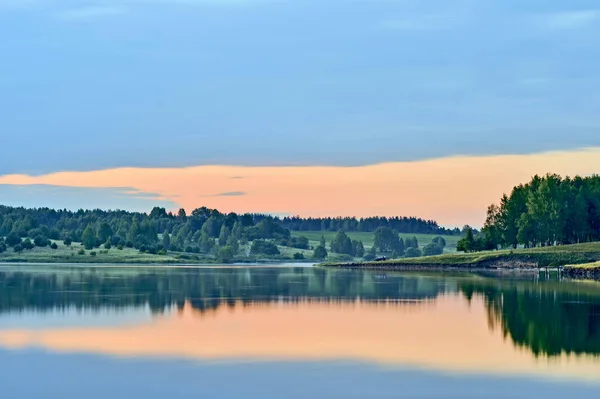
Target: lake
<point>294,332</point>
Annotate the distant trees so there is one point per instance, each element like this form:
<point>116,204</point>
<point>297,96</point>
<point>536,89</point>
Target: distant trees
<point>410,225</point>
<point>342,244</point>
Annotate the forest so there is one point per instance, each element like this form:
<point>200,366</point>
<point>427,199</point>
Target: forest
<point>204,231</point>
<point>411,225</point>
<point>547,211</point>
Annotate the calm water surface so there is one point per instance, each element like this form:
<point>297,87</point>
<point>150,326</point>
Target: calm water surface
<point>294,332</point>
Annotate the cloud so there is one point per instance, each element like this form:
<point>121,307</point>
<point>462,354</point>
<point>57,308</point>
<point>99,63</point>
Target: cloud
<point>379,189</point>
<point>567,20</point>
<point>73,198</point>
<point>91,12</point>
<point>231,194</point>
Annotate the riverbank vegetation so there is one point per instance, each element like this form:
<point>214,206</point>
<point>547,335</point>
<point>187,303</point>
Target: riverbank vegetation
<point>554,256</point>
<point>547,211</point>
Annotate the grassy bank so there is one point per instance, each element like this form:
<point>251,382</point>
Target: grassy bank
<point>520,258</point>
<point>73,254</point>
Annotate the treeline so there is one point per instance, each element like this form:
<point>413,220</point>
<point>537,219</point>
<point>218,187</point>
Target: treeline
<point>203,231</point>
<point>546,211</point>
<point>410,225</point>
<point>386,242</point>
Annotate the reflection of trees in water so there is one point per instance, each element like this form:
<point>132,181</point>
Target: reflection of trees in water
<point>547,318</point>
<point>203,288</point>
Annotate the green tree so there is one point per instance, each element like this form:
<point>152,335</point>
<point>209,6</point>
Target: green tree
<point>206,243</point>
<point>320,253</point>
<point>467,244</point>
<point>262,247</point>
<point>166,240</point>
<point>359,249</point>
<point>413,253</point>
<point>13,239</point>
<point>104,232</point>
<point>224,235</point>
<point>40,241</point>
<point>432,249</point>
<point>323,243</point>
<point>88,238</point>
<point>342,244</point>
<point>226,254</point>
<point>439,241</point>
<point>233,243</point>
<point>27,244</point>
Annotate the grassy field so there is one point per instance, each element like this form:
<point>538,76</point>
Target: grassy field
<point>367,238</point>
<point>65,254</point>
<point>70,254</point>
<point>535,257</point>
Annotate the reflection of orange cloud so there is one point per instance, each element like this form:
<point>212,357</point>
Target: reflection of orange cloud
<point>447,334</point>
<point>452,190</point>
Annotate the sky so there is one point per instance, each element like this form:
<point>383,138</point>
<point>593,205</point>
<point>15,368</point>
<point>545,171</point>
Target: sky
<point>336,89</point>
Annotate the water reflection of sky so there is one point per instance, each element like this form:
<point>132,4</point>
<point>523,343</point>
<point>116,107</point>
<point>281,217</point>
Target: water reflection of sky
<point>447,333</point>
<point>379,334</point>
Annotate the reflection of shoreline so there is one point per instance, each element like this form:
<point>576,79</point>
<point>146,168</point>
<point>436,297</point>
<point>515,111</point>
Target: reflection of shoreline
<point>547,318</point>
<point>448,333</point>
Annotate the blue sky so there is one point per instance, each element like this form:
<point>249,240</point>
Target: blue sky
<point>94,84</point>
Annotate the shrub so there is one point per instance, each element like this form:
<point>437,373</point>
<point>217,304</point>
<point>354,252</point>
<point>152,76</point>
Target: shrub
<point>120,247</point>
<point>412,253</point>
<point>53,246</point>
<point>264,248</point>
<point>2,247</point>
<point>81,252</point>
<point>40,241</point>
<point>298,256</point>
<point>225,254</point>
<point>107,245</point>
<point>93,253</point>
<point>27,244</point>
<point>13,239</point>
<point>432,249</point>
<point>162,252</point>
<point>68,241</point>
<point>18,248</point>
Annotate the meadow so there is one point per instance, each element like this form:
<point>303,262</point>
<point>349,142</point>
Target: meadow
<point>367,238</point>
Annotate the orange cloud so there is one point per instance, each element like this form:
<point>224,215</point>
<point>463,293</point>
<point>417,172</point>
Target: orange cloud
<point>453,190</point>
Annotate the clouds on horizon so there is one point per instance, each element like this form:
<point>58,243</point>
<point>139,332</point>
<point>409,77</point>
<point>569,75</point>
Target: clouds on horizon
<point>468,184</point>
